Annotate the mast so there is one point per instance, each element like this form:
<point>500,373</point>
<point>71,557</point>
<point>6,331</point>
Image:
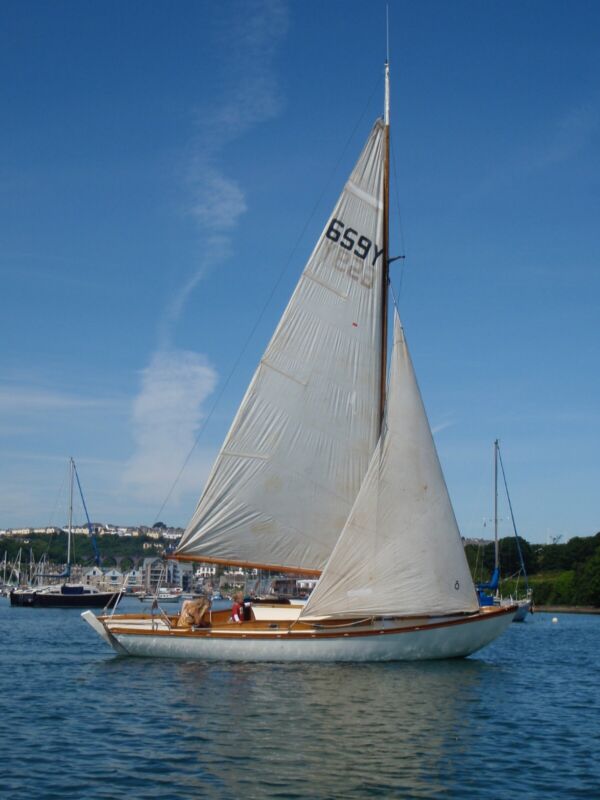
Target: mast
<point>71,468</point>
<point>496,550</point>
<point>386,254</point>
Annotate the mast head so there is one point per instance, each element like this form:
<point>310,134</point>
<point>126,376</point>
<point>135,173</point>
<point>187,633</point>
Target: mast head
<point>386,113</point>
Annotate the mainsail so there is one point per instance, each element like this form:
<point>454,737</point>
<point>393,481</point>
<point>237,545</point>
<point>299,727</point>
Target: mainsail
<point>293,461</point>
<point>400,551</point>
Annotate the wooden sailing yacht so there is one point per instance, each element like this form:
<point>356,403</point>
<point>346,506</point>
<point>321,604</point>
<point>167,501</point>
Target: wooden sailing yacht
<point>328,470</point>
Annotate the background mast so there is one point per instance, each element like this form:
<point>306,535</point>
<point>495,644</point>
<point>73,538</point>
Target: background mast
<point>70,533</point>
<point>496,547</point>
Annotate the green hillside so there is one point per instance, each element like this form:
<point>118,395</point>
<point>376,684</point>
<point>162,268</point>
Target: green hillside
<point>559,574</point>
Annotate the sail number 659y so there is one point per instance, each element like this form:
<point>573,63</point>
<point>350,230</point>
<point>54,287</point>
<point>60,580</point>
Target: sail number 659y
<point>361,246</point>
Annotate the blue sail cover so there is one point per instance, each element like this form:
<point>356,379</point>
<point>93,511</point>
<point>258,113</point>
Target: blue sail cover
<point>491,586</point>
<point>66,573</point>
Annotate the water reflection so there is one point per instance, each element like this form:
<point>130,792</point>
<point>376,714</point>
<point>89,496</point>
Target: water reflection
<point>81,722</point>
<point>313,730</point>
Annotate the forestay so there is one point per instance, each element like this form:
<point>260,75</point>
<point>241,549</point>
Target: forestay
<point>293,461</point>
<point>400,551</point>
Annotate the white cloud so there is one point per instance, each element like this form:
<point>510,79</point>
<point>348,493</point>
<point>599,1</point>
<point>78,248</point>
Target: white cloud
<point>560,141</point>
<point>219,202</point>
<point>167,414</point>
<point>442,426</point>
<point>570,135</point>
<point>168,410</point>
<point>216,200</point>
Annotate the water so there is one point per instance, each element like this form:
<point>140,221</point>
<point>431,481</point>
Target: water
<point>521,719</point>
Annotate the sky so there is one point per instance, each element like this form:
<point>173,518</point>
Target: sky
<point>165,170</point>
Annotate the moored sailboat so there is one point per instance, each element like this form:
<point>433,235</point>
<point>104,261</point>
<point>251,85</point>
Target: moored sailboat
<point>489,593</point>
<point>328,470</point>
<point>62,593</point>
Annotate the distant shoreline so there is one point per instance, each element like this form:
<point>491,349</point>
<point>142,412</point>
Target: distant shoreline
<point>569,609</point>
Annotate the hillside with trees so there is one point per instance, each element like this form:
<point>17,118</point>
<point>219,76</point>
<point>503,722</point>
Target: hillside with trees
<point>559,574</point>
<point>112,549</point>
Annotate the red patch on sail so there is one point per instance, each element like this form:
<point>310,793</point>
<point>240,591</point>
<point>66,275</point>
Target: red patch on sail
<point>355,324</point>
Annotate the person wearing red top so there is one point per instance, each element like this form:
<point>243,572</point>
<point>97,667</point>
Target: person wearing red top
<point>237,609</point>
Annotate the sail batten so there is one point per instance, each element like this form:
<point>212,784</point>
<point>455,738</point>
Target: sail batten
<point>293,461</point>
<point>376,202</point>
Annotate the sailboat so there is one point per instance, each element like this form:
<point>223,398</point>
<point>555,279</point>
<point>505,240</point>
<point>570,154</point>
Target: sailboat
<point>489,593</point>
<point>64,594</point>
<point>329,470</point>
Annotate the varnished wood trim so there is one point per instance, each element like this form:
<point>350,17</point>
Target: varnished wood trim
<point>245,631</point>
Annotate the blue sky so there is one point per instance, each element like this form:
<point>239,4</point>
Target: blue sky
<point>165,170</point>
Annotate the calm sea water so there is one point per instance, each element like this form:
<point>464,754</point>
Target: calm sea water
<point>521,719</point>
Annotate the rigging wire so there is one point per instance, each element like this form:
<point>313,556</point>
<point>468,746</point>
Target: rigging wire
<point>87,516</point>
<point>398,214</point>
<point>269,299</point>
<point>512,516</point>
<point>54,513</point>
<point>59,494</point>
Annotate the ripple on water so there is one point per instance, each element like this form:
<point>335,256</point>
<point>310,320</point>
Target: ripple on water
<point>521,718</point>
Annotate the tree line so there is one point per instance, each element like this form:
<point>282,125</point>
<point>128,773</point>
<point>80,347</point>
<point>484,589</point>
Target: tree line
<point>561,574</point>
<point>54,547</point>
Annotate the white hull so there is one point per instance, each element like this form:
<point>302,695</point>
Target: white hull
<point>523,608</point>
<point>387,640</point>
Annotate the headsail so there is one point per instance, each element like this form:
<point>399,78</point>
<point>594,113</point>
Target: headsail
<point>293,461</point>
<point>400,551</point>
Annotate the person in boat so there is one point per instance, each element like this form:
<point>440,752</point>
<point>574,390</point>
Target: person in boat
<point>195,613</point>
<point>237,609</point>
